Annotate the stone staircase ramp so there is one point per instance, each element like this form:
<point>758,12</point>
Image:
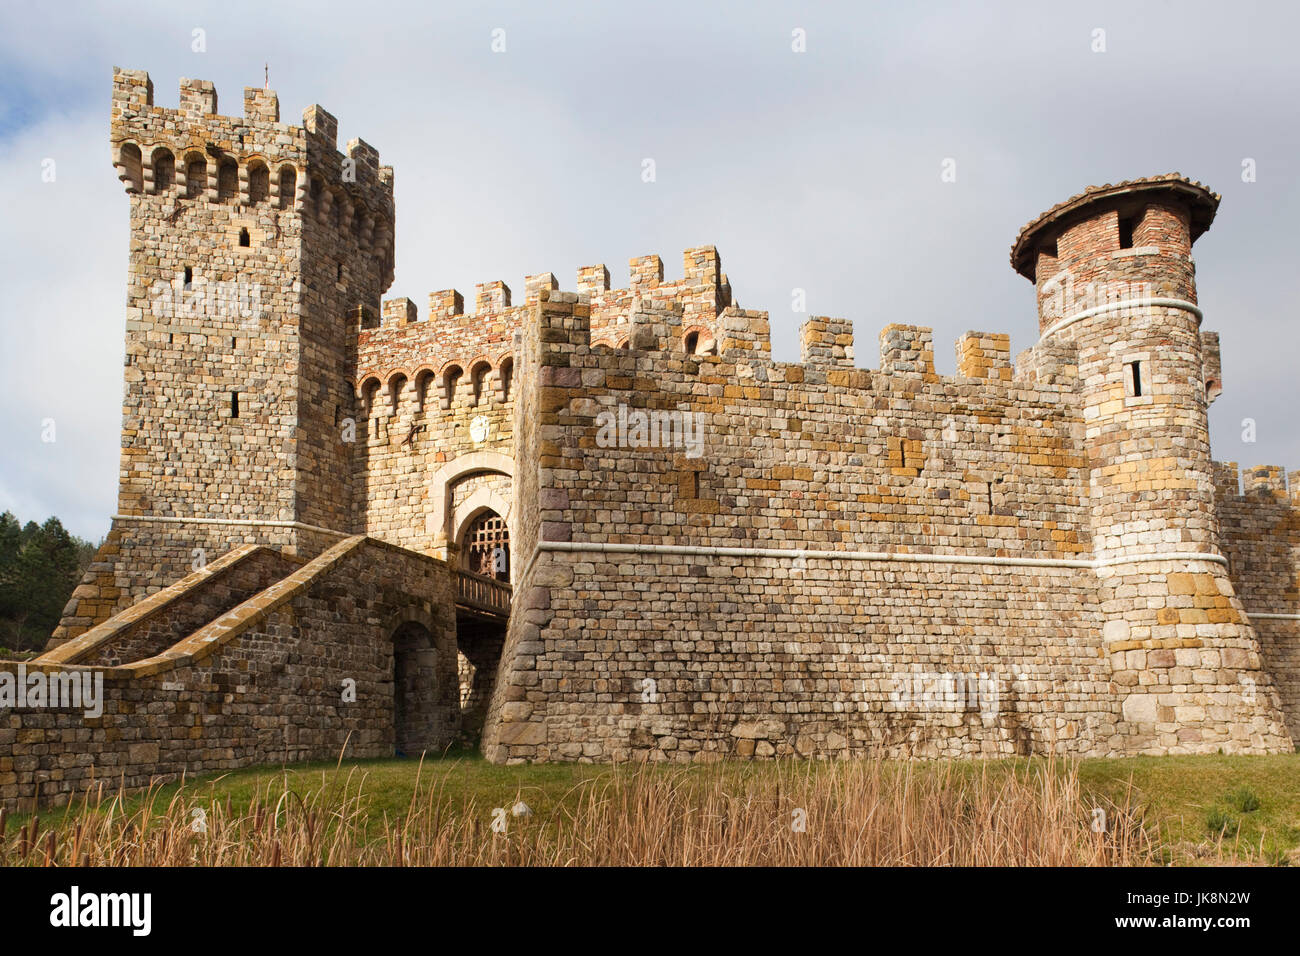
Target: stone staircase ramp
<point>219,631</point>
<point>154,624</point>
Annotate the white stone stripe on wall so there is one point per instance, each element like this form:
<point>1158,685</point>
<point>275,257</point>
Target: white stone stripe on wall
<point>900,556</point>
<point>1124,304</point>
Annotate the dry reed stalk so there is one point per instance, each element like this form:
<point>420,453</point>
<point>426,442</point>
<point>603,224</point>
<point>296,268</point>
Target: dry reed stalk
<point>851,813</point>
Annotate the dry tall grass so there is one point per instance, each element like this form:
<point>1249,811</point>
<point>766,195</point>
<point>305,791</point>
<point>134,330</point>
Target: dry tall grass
<point>853,813</point>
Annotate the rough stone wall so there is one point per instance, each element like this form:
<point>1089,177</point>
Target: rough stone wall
<point>1260,532</point>
<point>141,557</point>
<point>767,593</point>
<point>537,431</point>
<point>1187,663</point>
<point>674,656</point>
<point>255,245</point>
<point>198,605</point>
<point>770,654</point>
<point>465,491</point>
<point>272,692</point>
<point>851,458</point>
<point>347,226</point>
<point>433,389</point>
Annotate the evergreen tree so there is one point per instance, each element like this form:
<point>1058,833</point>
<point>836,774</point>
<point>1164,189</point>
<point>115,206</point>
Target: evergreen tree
<point>40,566</point>
<point>11,540</point>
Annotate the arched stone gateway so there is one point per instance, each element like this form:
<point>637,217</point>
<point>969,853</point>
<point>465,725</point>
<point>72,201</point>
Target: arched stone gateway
<point>484,537</point>
<point>445,521</point>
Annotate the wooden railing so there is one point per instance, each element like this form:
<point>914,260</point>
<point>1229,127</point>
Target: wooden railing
<point>482,592</point>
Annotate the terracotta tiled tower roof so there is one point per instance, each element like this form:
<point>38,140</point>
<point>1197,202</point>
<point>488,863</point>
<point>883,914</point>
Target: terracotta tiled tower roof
<point>1044,228</point>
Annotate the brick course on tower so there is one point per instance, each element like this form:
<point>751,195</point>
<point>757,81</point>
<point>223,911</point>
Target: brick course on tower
<point>607,525</point>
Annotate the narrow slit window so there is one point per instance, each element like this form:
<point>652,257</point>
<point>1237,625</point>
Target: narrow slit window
<point>234,404</point>
<point>243,237</point>
<point>189,276</point>
<point>1135,378</point>
<point>1126,233</point>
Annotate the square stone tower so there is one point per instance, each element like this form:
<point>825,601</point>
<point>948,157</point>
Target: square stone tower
<point>257,251</point>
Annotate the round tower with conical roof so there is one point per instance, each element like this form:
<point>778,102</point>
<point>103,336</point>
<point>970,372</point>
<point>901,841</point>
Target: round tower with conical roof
<point>1116,286</point>
<point>1115,278</point>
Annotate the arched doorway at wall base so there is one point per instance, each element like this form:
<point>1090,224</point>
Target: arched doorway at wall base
<point>425,707</point>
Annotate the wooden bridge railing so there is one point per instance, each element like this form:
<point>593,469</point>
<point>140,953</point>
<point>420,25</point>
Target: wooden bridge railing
<point>483,593</point>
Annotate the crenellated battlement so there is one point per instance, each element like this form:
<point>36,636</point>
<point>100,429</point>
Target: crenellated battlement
<point>703,292</point>
<point>826,341</point>
<point>402,354</point>
<point>448,357</point>
<point>693,315</point>
<point>1256,483</point>
<point>251,163</point>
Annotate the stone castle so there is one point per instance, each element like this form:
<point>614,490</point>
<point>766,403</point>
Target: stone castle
<point>606,525</point>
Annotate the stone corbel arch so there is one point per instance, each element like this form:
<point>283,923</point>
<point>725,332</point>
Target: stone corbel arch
<point>413,614</point>
<point>441,524</point>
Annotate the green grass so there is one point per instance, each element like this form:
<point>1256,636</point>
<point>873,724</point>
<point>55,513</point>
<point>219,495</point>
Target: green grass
<point>1203,808</point>
<point>1195,798</point>
<point>389,783</point>
<point>1244,799</point>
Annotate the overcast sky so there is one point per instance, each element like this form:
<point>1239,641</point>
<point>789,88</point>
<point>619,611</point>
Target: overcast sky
<point>817,170</point>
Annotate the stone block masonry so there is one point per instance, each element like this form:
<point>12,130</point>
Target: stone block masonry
<point>701,552</point>
<point>845,532</point>
<point>264,681</point>
<point>255,246</point>
<point>1260,536</point>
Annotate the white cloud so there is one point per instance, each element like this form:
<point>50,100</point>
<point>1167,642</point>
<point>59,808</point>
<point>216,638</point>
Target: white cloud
<point>64,249</point>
